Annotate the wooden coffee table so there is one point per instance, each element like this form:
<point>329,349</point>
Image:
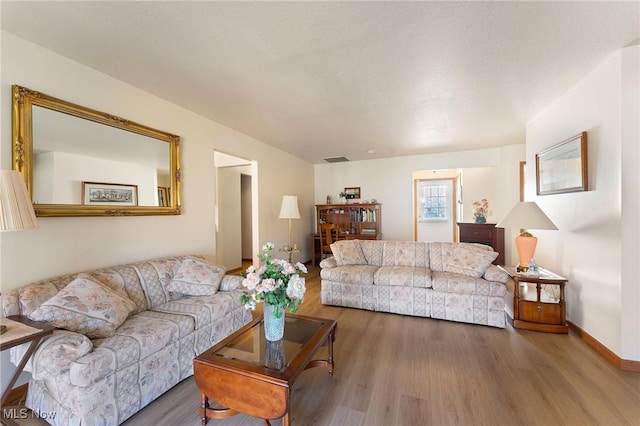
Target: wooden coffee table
<point>247,374</point>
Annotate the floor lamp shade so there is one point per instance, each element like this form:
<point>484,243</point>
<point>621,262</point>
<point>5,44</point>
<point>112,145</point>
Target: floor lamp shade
<point>16,208</point>
<point>289,208</point>
<point>526,215</point>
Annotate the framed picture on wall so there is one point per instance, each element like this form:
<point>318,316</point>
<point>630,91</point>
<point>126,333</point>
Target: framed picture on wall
<point>109,194</point>
<point>352,192</point>
<point>163,196</point>
<point>563,167</point>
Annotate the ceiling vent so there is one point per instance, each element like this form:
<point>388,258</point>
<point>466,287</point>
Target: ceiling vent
<point>336,159</point>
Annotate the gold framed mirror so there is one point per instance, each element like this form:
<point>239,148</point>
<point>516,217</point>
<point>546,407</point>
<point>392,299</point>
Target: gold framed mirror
<point>77,161</point>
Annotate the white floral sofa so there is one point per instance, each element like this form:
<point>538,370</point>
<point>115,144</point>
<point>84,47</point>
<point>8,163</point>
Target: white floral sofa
<point>127,334</point>
<point>452,281</point>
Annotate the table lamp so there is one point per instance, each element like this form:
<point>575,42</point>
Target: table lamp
<point>16,209</point>
<point>289,210</point>
<point>526,215</point>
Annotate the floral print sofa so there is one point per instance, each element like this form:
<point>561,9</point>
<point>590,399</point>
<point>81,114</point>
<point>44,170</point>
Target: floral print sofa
<point>127,334</point>
<point>452,281</point>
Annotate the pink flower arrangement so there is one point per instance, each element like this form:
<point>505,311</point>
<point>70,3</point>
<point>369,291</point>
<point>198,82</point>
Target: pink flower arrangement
<point>276,282</point>
<point>480,209</point>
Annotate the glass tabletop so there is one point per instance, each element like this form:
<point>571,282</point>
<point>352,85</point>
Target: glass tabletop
<point>253,348</point>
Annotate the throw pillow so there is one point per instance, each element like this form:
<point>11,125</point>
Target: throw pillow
<point>468,260</point>
<point>348,252</point>
<point>87,307</point>
<point>197,278</point>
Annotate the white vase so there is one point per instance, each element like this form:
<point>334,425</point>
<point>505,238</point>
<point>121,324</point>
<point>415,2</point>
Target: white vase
<point>273,326</point>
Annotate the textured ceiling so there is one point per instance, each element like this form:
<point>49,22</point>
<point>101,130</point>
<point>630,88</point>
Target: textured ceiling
<point>355,79</point>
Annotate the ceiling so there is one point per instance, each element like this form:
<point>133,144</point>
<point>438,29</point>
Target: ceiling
<point>356,79</point>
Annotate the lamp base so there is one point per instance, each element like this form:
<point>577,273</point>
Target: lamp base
<point>526,247</point>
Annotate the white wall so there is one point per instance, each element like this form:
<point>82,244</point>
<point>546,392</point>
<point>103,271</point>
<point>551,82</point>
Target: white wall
<point>55,247</point>
<point>597,242</point>
<point>62,245</point>
<point>60,179</point>
<point>630,345</point>
<point>489,173</point>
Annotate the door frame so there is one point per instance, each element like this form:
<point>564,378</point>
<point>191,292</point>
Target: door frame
<point>454,204</point>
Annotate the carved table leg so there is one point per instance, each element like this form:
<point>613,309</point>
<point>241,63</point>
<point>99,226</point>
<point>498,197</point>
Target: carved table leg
<point>330,348</point>
<point>204,405</point>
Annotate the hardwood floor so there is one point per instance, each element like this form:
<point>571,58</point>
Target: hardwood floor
<point>398,370</point>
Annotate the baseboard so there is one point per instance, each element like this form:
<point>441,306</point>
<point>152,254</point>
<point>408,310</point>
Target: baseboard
<point>623,364</point>
<point>17,395</point>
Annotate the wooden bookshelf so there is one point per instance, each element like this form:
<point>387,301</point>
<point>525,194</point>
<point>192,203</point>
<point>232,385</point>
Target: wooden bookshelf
<point>355,221</point>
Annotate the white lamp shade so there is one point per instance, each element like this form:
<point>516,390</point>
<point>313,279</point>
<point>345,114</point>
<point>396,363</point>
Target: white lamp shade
<point>289,209</point>
<point>16,208</point>
<point>526,215</point>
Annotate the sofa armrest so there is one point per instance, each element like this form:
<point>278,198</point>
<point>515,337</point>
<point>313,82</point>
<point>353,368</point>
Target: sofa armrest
<point>230,283</point>
<point>56,353</point>
<point>92,367</point>
<point>493,273</point>
<point>328,263</point>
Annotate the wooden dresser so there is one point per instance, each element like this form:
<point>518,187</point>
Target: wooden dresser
<point>484,233</point>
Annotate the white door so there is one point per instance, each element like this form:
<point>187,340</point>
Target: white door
<point>435,213</point>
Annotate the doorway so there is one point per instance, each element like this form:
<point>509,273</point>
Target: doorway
<point>235,212</point>
<point>435,209</point>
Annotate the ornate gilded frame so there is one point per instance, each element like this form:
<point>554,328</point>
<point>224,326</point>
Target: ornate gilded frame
<point>22,153</point>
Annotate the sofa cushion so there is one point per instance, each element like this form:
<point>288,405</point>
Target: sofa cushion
<point>451,282</point>
<point>467,259</point>
<point>348,252</point>
<point>405,253</point>
<point>140,336</point>
<point>350,274</point>
<point>372,250</point>
<point>203,309</point>
<point>87,307</point>
<point>407,276</point>
<point>197,278</point>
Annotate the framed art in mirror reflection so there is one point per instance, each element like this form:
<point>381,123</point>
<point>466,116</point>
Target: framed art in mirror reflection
<point>109,194</point>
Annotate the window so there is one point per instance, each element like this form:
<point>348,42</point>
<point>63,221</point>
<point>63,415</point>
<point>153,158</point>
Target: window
<point>433,203</point>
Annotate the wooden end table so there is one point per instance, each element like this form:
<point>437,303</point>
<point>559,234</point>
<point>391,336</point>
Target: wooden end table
<point>539,310</point>
<point>247,374</point>
<point>20,330</point>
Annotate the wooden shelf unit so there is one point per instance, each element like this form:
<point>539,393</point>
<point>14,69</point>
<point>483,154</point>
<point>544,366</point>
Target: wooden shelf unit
<point>355,221</point>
